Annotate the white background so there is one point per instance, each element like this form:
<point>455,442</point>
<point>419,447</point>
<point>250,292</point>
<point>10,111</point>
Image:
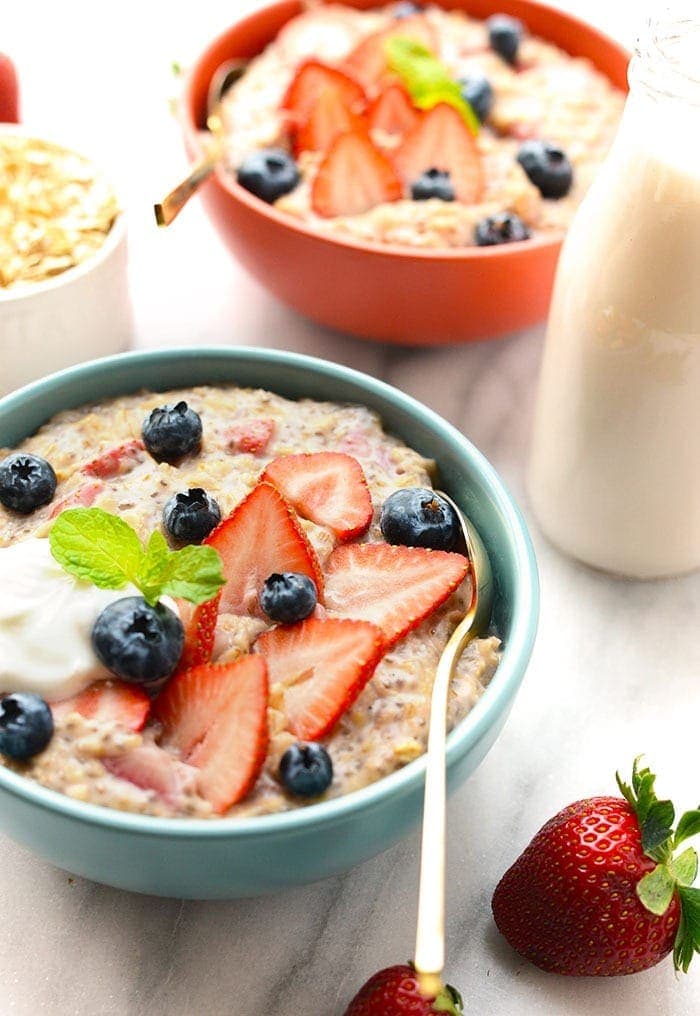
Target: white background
<point>615,671</point>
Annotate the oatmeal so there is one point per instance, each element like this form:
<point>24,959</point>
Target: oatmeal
<point>55,210</point>
<point>542,96</point>
<point>119,745</point>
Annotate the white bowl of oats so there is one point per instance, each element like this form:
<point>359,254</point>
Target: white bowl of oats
<point>63,260</point>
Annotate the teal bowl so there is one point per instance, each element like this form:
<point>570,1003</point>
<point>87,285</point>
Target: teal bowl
<point>233,857</point>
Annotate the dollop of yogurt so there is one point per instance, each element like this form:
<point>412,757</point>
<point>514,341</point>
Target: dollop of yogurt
<point>46,619</point>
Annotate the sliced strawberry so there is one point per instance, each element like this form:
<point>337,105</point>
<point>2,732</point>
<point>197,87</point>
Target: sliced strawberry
<point>328,488</point>
<point>82,497</point>
<point>394,587</point>
<point>393,113</point>
<point>252,436</point>
<point>116,461</point>
<point>323,666</point>
<point>314,79</point>
<point>328,119</point>
<point>443,141</point>
<point>354,177</point>
<point>108,702</point>
<point>368,61</point>
<point>151,768</point>
<point>261,536</point>
<point>216,718</point>
<point>200,628</point>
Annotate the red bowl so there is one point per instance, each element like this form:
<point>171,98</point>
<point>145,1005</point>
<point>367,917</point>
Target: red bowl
<point>377,291</point>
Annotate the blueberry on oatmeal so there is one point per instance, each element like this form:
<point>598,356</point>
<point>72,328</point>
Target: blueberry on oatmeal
<point>503,227</point>
<point>288,597</point>
<point>505,36</point>
<point>26,482</point>
<point>191,515</point>
<point>418,517</point>
<point>137,642</point>
<point>548,167</point>
<point>268,174</point>
<point>171,432</point>
<point>26,725</point>
<point>477,91</point>
<point>406,9</point>
<point>306,770</point>
<point>434,183</point>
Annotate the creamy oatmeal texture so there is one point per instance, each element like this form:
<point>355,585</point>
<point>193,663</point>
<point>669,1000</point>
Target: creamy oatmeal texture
<point>387,725</point>
<point>549,95</point>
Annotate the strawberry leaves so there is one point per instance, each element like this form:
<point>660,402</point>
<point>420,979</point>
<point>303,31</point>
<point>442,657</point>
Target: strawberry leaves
<point>688,825</point>
<point>449,1000</point>
<point>688,937</point>
<point>672,875</point>
<point>656,890</point>
<point>655,817</point>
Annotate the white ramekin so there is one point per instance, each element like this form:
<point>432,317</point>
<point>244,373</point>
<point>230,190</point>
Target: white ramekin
<point>83,313</point>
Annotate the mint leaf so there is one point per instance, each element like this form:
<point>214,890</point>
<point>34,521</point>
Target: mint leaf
<point>688,935</point>
<point>193,573</point>
<point>101,548</point>
<point>684,868</point>
<point>427,80</point>
<point>153,566</point>
<point>656,890</point>
<point>688,825</point>
<point>96,546</point>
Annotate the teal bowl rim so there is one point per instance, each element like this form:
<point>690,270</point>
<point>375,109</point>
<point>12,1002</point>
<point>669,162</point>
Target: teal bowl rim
<point>493,702</point>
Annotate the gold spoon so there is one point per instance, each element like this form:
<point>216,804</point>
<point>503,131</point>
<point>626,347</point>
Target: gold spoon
<point>430,934</point>
<point>173,203</point>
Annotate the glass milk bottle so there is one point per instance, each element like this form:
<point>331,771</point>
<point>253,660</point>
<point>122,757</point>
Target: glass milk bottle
<point>615,468</point>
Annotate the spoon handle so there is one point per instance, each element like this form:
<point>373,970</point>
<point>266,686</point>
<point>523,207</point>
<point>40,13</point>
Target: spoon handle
<point>430,934</point>
<point>173,203</point>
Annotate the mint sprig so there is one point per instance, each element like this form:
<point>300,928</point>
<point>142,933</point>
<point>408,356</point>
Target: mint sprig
<point>427,80</point>
<point>101,548</point>
<point>673,875</point>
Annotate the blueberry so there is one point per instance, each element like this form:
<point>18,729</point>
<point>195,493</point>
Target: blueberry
<point>434,183</point>
<point>171,432</point>
<point>505,35</point>
<point>191,516</point>
<point>548,167</point>
<point>137,642</point>
<point>26,482</point>
<point>406,10</point>
<point>288,597</point>
<point>306,770</point>
<point>504,227</point>
<point>268,174</point>
<point>477,91</point>
<point>26,725</point>
<point>418,517</point>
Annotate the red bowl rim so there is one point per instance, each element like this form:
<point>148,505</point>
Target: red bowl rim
<point>448,254</point>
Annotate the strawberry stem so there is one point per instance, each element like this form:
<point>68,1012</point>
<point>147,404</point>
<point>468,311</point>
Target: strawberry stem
<point>673,876</point>
<point>449,1000</point>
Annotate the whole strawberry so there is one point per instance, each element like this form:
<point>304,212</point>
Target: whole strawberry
<point>9,91</point>
<point>599,891</point>
<point>394,992</point>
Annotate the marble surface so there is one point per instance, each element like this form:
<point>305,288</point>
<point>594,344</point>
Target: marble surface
<point>614,671</point>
